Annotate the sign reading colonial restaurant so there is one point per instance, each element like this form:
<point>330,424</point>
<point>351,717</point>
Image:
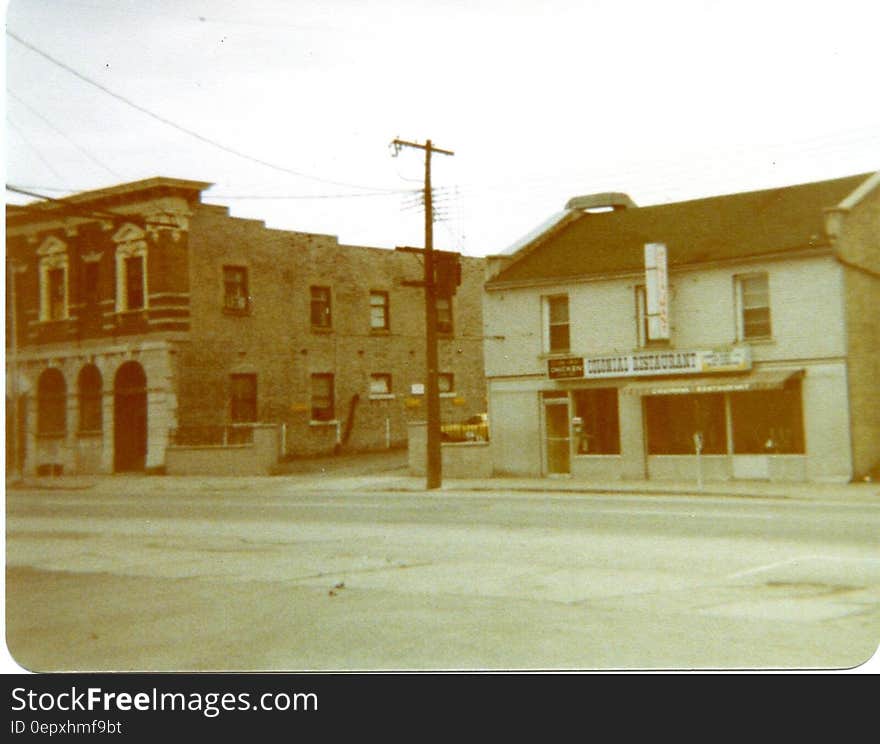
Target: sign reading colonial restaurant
<point>650,363</point>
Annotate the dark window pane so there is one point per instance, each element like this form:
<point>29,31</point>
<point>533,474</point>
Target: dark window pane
<point>57,290</point>
<point>134,282</point>
<point>320,307</point>
<point>235,288</point>
<point>672,421</point>
<point>600,426</point>
<point>559,340</point>
<point>243,398</point>
<point>322,398</point>
<point>768,421</point>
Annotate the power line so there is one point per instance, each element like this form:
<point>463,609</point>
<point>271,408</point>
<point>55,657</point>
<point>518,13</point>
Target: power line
<point>181,128</point>
<point>57,130</point>
<point>33,148</point>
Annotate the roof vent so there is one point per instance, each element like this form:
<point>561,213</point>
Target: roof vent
<point>608,201</point>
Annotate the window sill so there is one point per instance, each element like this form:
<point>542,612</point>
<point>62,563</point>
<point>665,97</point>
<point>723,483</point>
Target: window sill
<point>334,422</point>
<point>556,354</point>
<point>236,312</point>
<point>322,329</point>
<point>54,321</point>
<point>380,331</point>
<point>448,395</point>
<point>758,340</point>
<point>382,396</point>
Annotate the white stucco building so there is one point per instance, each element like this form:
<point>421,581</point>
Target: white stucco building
<point>757,346</point>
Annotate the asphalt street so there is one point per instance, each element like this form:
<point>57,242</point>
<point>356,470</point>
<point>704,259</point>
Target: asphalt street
<point>301,573</point>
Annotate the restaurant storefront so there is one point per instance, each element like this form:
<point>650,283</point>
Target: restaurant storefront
<point>666,413</point>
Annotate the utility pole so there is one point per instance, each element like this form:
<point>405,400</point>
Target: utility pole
<point>432,394</point>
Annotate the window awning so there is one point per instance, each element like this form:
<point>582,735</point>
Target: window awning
<point>769,379</point>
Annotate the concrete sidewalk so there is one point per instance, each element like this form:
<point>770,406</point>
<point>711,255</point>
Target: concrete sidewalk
<point>394,481</point>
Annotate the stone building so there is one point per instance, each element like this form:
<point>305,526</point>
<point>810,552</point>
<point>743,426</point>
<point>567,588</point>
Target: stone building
<point>143,316</point>
<point>729,337</point>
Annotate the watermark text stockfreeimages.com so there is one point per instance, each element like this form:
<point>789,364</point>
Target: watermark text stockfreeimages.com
<point>210,704</point>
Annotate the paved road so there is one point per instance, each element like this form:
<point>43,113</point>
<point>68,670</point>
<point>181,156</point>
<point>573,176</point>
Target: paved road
<point>291,574</point>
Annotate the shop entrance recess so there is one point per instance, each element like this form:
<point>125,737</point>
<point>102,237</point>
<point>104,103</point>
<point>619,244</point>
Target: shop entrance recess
<point>557,436</point>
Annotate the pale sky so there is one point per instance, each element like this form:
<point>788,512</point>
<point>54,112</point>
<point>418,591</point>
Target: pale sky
<point>540,101</point>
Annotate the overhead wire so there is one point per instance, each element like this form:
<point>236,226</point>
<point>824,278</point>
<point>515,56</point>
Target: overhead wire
<point>48,123</point>
<point>186,130</point>
<point>18,130</point>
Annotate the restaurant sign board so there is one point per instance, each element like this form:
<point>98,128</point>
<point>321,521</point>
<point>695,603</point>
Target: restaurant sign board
<point>651,363</point>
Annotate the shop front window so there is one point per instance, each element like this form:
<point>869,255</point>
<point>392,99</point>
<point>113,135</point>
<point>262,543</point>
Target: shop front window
<point>672,421</point>
<point>596,425</point>
<point>768,422</point>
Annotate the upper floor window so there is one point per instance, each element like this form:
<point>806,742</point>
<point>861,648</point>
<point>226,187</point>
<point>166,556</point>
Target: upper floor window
<point>235,289</point>
<point>446,383</point>
<point>558,337</point>
<point>444,315</point>
<point>379,320</point>
<point>131,268</point>
<point>243,398</point>
<point>380,384</point>
<point>53,279</point>
<point>320,308</point>
<point>753,298</point>
<point>323,407</point>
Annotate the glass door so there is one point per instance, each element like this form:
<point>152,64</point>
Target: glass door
<point>557,436</point>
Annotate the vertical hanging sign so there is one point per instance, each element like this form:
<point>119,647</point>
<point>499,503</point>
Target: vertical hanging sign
<point>656,291</point>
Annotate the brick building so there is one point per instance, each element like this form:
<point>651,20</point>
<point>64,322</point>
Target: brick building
<point>143,316</point>
<point>736,336</point>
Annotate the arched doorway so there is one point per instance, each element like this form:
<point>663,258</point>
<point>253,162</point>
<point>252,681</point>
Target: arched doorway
<point>130,418</point>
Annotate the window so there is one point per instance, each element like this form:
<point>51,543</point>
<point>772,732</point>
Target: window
<point>57,294</point>
<point>53,279</point>
<point>243,398</point>
<point>446,383</point>
<point>380,384</point>
<point>557,324</point>
<point>672,421</point>
<point>320,307</point>
<point>89,386</point>
<point>131,268</point>
<point>134,283</point>
<point>235,289</point>
<point>51,403</point>
<point>768,421</point>
<point>753,293</point>
<point>598,431</point>
<point>444,315</point>
<point>379,311</point>
<point>322,398</point>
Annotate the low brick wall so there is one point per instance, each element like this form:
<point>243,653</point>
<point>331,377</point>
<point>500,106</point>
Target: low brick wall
<point>257,458</point>
<point>459,459</point>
